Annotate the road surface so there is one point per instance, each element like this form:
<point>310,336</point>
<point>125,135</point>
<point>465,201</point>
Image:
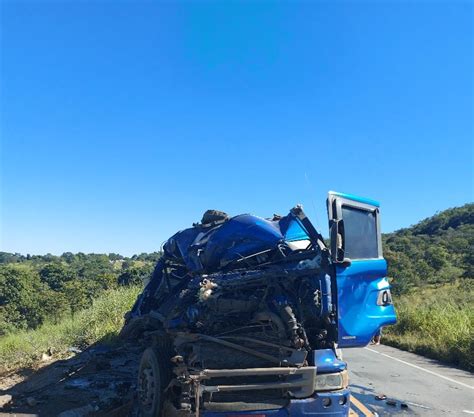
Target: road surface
<point>424,386</point>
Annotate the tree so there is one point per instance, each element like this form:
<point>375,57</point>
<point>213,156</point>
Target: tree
<point>19,289</point>
<point>55,275</point>
<point>135,275</point>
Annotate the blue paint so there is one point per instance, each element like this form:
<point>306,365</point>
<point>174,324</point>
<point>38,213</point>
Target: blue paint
<point>356,198</point>
<point>359,316</point>
<point>294,230</point>
<point>326,296</point>
<point>240,236</point>
<point>326,361</point>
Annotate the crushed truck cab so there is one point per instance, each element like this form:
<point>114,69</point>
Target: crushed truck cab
<point>246,315</point>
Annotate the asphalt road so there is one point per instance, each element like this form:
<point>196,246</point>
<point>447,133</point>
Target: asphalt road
<point>424,386</point>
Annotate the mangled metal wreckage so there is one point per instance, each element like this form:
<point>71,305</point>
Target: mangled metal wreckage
<point>242,316</point>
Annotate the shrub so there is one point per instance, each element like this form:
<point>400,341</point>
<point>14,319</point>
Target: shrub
<point>437,322</point>
<point>100,322</point>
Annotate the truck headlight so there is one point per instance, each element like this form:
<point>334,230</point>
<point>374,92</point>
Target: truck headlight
<point>331,382</point>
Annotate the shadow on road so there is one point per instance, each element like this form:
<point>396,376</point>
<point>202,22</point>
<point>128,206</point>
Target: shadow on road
<point>100,379</point>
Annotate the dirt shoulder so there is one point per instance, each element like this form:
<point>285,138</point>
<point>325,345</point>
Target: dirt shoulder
<point>98,382</point>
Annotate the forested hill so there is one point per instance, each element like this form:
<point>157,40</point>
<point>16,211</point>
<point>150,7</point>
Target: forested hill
<point>437,250</point>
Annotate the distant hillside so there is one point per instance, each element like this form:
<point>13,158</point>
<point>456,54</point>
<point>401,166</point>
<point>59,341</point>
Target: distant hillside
<point>436,250</point>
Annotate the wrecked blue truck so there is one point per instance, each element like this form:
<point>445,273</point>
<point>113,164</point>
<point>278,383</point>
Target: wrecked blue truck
<point>246,316</point>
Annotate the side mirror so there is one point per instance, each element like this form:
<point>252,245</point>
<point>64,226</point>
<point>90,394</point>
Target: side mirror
<point>337,243</point>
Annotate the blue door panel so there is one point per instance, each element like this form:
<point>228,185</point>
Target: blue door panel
<point>359,316</point>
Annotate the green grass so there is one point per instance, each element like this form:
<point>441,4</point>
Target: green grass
<point>436,322</point>
<point>101,321</point>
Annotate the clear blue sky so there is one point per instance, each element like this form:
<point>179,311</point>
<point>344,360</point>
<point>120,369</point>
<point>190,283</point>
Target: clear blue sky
<point>123,121</point>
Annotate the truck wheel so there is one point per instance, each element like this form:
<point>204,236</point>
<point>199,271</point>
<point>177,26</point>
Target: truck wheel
<point>151,384</point>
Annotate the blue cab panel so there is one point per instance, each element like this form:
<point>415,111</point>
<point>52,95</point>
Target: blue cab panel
<point>360,315</point>
<point>326,361</point>
<point>240,236</point>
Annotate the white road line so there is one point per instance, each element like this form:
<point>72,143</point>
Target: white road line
<point>418,405</point>
<point>423,369</point>
<point>468,412</point>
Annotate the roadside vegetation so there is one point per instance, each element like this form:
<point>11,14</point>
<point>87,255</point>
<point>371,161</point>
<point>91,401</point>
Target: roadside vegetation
<point>431,266</point>
<point>47,289</point>
<point>51,303</point>
<point>437,322</point>
<point>101,321</point>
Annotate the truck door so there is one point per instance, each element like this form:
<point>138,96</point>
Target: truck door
<point>364,302</point>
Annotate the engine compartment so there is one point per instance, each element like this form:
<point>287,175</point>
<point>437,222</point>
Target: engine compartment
<point>233,310</point>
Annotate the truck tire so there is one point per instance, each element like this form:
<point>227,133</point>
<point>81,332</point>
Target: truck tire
<point>153,378</point>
